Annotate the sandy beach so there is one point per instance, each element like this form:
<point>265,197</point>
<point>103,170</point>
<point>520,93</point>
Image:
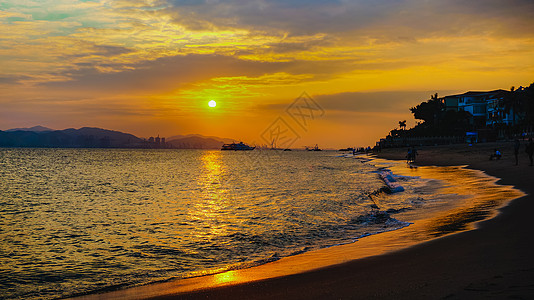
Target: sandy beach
<point>494,261</point>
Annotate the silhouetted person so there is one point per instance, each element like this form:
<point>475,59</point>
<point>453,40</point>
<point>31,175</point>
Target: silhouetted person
<point>517,145</point>
<point>530,150</point>
<point>412,153</point>
<point>496,154</point>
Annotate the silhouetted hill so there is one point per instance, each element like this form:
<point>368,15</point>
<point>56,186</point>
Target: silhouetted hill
<point>91,137</point>
<point>196,142</point>
<point>86,137</point>
<point>224,140</point>
<point>37,128</point>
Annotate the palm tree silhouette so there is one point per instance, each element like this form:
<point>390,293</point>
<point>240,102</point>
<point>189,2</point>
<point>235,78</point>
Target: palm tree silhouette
<point>402,125</point>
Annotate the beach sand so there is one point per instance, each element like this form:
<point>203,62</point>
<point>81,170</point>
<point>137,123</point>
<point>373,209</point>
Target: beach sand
<point>496,260</point>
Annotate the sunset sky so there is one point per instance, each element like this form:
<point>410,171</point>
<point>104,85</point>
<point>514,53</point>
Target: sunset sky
<point>150,67</point>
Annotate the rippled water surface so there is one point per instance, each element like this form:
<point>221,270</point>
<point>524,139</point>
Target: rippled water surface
<point>82,220</point>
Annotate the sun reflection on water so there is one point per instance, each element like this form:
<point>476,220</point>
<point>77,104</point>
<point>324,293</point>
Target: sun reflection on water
<point>210,177</point>
<point>212,205</point>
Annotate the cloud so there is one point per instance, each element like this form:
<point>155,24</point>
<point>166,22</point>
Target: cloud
<point>387,17</point>
<point>390,101</point>
<point>368,102</point>
<point>166,73</point>
<point>41,38</point>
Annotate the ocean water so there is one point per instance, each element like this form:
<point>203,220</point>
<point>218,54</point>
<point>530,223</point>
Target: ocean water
<point>76,221</point>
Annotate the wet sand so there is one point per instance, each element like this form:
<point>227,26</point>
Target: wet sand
<point>496,260</point>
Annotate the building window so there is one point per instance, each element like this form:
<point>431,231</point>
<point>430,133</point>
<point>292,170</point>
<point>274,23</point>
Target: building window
<point>479,109</point>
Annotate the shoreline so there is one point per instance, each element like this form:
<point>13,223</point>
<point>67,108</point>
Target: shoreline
<point>445,267</point>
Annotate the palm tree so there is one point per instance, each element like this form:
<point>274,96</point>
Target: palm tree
<point>402,125</point>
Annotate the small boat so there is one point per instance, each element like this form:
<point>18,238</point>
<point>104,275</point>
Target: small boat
<point>316,148</point>
<point>237,147</point>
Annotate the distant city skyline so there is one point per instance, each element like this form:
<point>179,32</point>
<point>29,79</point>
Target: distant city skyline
<point>152,67</point>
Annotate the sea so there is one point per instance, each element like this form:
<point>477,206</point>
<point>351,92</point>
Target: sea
<point>82,221</point>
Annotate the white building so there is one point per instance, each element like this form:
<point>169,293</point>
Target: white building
<point>485,108</point>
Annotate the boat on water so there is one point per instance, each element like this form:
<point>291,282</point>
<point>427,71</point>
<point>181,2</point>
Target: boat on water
<point>237,147</point>
<point>316,148</point>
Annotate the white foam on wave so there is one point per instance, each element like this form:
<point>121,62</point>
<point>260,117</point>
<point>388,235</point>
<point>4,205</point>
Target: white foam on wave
<point>393,185</point>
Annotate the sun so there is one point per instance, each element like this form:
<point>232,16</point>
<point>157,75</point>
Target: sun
<point>212,103</point>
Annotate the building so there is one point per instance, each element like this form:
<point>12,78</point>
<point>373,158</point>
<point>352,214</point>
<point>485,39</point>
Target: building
<point>475,104</point>
<point>450,102</point>
<point>484,108</point>
<point>156,143</point>
<point>496,114</point>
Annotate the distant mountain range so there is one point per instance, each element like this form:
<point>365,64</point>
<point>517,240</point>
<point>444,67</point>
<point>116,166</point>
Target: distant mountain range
<point>37,128</point>
<point>197,141</point>
<point>91,137</point>
<point>86,137</point>
<point>178,137</point>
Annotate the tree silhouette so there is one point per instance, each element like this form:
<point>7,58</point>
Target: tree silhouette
<point>428,111</point>
<point>528,104</point>
<point>521,103</point>
<point>402,125</point>
<point>512,103</point>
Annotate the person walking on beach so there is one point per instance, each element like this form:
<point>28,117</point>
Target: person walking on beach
<point>517,145</point>
<point>414,154</point>
<point>409,155</point>
<point>530,150</point>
